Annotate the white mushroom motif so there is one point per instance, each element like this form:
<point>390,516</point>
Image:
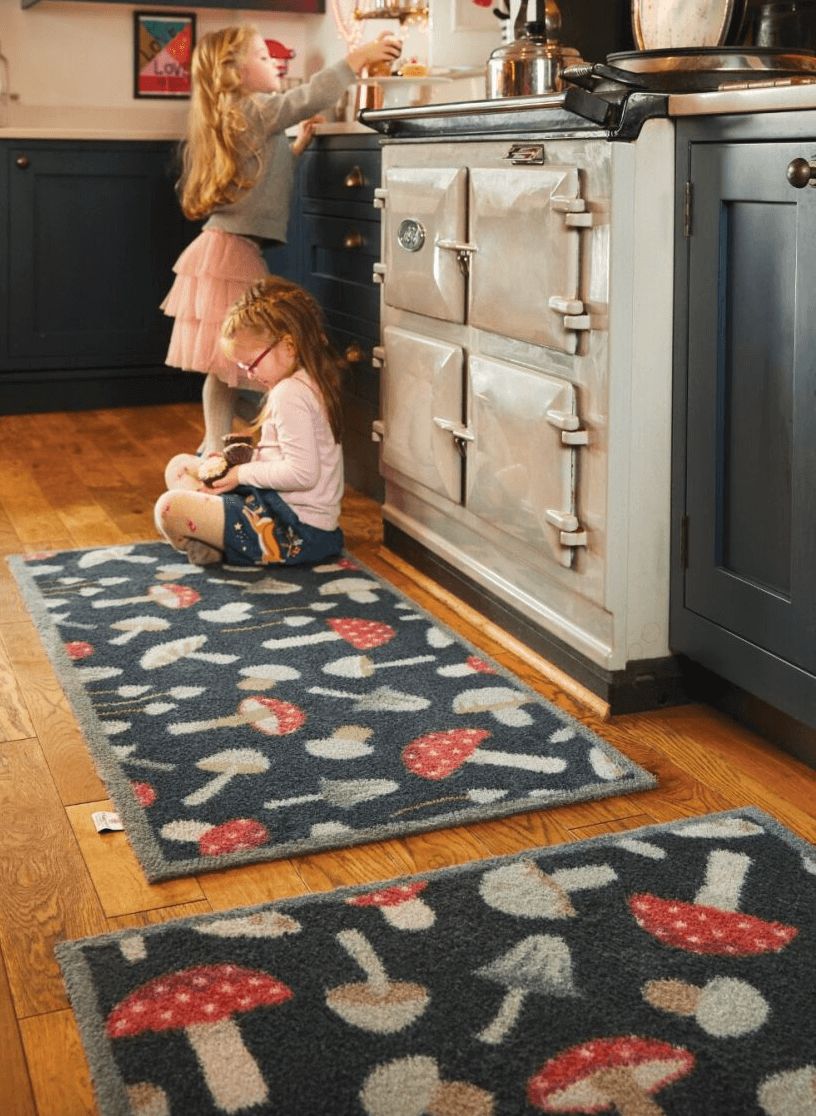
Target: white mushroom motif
<point>724,1007</point>
<point>412,1086</point>
<point>226,765</point>
<point>522,889</point>
<point>790,1093</point>
<point>378,1004</point>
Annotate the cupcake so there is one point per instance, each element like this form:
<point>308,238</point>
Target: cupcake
<point>238,448</point>
<point>212,468</point>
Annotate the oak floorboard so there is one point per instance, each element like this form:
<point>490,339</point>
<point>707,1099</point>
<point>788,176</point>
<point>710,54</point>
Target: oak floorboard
<point>46,892</point>
<point>344,867</point>
<point>116,873</point>
<point>66,752</point>
<point>15,723</point>
<point>59,1073</point>
<point>16,1097</point>
<point>28,509</point>
<point>252,884</point>
<point>138,920</point>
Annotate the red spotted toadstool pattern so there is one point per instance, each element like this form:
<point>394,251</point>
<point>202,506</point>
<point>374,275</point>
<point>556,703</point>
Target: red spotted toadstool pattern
<point>708,930</point>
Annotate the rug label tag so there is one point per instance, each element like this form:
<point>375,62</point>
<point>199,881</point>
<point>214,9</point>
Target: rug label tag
<point>106,820</point>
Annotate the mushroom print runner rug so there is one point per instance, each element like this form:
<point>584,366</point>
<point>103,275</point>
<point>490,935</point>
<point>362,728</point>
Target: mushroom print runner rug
<point>670,970</point>
<point>242,714</point>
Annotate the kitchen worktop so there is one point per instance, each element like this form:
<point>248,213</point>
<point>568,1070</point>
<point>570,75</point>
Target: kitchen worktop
<point>167,122</point>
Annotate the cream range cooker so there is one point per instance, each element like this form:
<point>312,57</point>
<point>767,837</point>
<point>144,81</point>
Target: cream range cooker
<point>526,317</point>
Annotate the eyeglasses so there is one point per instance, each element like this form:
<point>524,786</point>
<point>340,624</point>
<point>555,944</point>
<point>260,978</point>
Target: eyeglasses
<point>248,369</point>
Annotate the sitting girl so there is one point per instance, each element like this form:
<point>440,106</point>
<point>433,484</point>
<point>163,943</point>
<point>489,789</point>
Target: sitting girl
<point>282,507</point>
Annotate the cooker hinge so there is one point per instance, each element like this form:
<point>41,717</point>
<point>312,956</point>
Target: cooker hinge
<point>573,311</point>
<point>576,214</point>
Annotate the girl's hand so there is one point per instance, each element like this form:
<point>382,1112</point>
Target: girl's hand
<point>304,136</point>
<point>383,49</point>
<point>227,483</point>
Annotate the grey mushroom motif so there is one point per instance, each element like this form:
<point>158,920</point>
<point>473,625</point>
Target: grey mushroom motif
<point>377,1004</point>
<point>790,1093</point>
<point>413,1086</point>
<point>201,1002</point>
<point>538,965</point>
<point>725,1007</point>
<point>522,889</point>
<point>502,702</point>
<point>147,1099</point>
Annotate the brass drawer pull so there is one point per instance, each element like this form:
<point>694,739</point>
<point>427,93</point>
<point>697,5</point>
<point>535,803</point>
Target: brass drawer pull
<point>22,161</point>
<point>355,353</point>
<point>354,179</point>
<point>353,240</point>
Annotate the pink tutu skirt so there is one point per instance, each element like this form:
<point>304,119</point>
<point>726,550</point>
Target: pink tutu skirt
<point>211,274</point>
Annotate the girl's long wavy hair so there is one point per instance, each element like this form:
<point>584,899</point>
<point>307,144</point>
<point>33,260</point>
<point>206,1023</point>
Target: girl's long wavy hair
<point>275,307</point>
<point>220,143</point>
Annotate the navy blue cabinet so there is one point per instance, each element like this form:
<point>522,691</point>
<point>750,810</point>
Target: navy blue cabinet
<point>94,228</point>
<point>744,590</point>
<point>339,233</point>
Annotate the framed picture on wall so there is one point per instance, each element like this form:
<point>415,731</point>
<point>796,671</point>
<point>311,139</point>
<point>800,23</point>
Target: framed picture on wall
<point>162,52</point>
<point>474,15</point>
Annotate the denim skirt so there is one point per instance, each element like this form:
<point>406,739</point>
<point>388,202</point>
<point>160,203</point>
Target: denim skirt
<point>260,529</point>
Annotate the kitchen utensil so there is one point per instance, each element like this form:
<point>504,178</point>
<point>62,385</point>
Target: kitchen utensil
<point>670,24</point>
<point>790,25</point>
<point>531,64</point>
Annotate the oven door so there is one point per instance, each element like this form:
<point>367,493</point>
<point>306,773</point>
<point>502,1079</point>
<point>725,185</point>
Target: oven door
<point>425,208</point>
<point>421,406</point>
<point>521,470</point>
<point>525,276</point>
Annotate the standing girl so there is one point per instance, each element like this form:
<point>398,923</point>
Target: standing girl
<point>238,171</point>
<point>282,507</point>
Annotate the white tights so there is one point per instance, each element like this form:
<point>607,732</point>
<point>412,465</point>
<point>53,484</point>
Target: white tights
<point>187,515</point>
<point>218,401</point>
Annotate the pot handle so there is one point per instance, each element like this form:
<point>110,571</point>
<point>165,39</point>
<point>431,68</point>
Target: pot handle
<point>588,76</point>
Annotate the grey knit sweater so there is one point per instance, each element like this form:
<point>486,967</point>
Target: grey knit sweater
<point>263,210</point>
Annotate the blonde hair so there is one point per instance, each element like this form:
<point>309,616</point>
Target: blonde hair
<point>220,143</point>
<point>274,308</point>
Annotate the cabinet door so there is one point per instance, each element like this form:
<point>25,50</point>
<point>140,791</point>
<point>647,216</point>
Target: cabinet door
<point>751,407</point>
<point>94,233</point>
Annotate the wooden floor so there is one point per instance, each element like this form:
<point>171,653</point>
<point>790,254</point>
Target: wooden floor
<point>91,478</point>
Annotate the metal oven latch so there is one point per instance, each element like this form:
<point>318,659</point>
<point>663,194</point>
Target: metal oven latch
<point>463,253</point>
<point>529,153</point>
<point>460,434</point>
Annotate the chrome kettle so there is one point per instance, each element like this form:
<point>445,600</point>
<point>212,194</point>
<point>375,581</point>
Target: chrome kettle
<point>533,62</point>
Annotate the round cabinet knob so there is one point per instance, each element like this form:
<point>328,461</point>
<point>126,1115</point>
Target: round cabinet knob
<point>22,161</point>
<point>801,172</point>
<point>355,353</point>
<point>353,239</point>
<point>354,179</point>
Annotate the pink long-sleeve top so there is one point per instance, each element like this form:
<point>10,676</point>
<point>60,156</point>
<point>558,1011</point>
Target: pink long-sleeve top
<point>297,454</point>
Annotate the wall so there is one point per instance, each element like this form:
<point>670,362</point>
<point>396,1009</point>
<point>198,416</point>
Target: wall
<point>68,58</point>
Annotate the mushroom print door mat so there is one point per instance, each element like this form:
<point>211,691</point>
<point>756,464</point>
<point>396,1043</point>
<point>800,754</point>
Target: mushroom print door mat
<point>667,970</point>
<point>241,714</point>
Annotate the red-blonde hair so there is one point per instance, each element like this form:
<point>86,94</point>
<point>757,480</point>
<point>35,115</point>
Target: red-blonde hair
<point>220,147</point>
<point>275,308</point>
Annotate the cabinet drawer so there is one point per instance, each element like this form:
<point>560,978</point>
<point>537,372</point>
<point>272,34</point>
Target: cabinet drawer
<point>341,175</point>
<point>340,254</point>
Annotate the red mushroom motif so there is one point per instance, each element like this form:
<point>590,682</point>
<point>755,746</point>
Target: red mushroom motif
<point>400,905</point>
<point>201,1002</point>
<point>362,634</point>
<point>169,596</point>
<point>712,924</point>
<point>708,930</point>
<point>438,754</point>
<point>605,1074</point>
<point>236,835</point>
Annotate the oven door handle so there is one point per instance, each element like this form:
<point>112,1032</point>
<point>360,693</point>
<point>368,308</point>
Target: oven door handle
<point>463,253</point>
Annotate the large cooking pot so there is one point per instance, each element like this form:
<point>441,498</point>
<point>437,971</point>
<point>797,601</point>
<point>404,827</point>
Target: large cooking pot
<point>533,62</point>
